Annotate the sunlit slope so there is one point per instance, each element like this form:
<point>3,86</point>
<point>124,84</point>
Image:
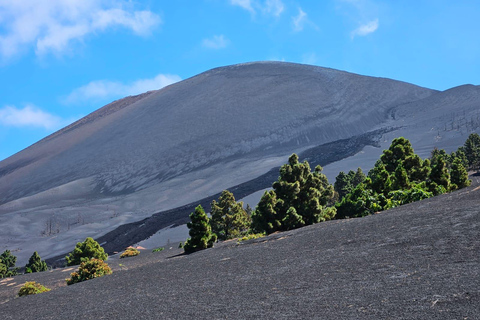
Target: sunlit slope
<point>222,114</point>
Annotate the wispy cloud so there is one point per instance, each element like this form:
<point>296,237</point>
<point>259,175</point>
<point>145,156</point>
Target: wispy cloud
<point>299,20</point>
<point>269,7</point>
<point>274,7</point>
<point>30,116</point>
<point>365,29</point>
<point>51,26</point>
<point>245,4</point>
<point>216,42</point>
<point>106,89</point>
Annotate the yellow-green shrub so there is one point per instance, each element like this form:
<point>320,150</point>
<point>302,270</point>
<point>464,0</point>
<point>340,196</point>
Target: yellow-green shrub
<point>31,287</point>
<point>130,252</point>
<point>251,236</point>
<point>90,269</point>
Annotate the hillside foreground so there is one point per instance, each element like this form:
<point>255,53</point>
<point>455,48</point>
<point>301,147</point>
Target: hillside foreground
<point>418,261</point>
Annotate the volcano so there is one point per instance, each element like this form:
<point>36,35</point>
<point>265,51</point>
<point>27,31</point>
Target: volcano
<point>144,161</point>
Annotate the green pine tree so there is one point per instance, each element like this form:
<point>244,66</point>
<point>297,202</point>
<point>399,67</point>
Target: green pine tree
<point>265,217</point>
<point>7,267</point>
<point>439,176</point>
<point>472,151</point>
<point>229,219</point>
<point>35,264</point>
<point>201,236</point>
<point>459,175</point>
<point>296,188</point>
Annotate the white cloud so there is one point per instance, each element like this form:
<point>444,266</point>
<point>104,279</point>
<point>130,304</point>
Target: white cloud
<point>365,29</point>
<point>216,42</point>
<point>51,25</point>
<point>299,20</point>
<point>105,89</point>
<point>245,4</point>
<point>29,116</point>
<point>274,7</point>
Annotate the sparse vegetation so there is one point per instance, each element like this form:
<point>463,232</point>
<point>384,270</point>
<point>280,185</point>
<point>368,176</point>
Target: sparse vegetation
<point>35,264</point>
<point>90,269</point>
<point>31,287</point>
<point>85,251</point>
<point>130,252</point>
<point>158,249</point>
<point>251,236</point>
<point>201,236</point>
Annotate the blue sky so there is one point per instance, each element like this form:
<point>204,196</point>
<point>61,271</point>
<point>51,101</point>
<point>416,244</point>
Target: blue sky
<point>60,60</point>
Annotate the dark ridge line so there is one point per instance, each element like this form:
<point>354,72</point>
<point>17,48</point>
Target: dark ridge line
<point>125,235</point>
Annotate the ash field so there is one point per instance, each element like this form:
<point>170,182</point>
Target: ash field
<point>134,169</point>
<point>417,261</point>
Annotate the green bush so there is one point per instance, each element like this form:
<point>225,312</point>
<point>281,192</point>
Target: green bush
<point>90,269</point>
<point>129,252</point>
<point>251,236</point>
<point>31,287</point>
<point>85,251</point>
<point>7,264</point>
<point>158,249</point>
<point>35,264</point>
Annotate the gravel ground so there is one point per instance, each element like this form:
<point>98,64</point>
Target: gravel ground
<point>419,261</point>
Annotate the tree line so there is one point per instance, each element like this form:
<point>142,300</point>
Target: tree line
<point>302,197</point>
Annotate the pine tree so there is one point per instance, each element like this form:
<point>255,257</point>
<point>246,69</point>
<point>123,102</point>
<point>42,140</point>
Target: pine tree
<point>201,236</point>
<point>358,178</point>
<point>459,175</point>
<point>472,150</point>
<point>297,188</point>
<point>401,181</point>
<point>265,217</point>
<point>229,219</point>
<point>85,251</point>
<point>342,184</point>
<point>439,175</point>
<point>35,264</point>
<point>8,260</point>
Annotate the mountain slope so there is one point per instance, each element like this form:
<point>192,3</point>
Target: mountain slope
<point>418,261</point>
<point>168,148</point>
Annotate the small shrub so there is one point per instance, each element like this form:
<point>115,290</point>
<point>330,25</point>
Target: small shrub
<point>85,251</point>
<point>31,287</point>
<point>251,236</point>
<point>130,252</point>
<point>158,249</point>
<point>180,245</point>
<point>90,269</point>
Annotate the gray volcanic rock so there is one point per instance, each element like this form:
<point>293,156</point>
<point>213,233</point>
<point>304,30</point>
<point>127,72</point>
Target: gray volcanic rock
<point>418,261</point>
<point>171,147</point>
